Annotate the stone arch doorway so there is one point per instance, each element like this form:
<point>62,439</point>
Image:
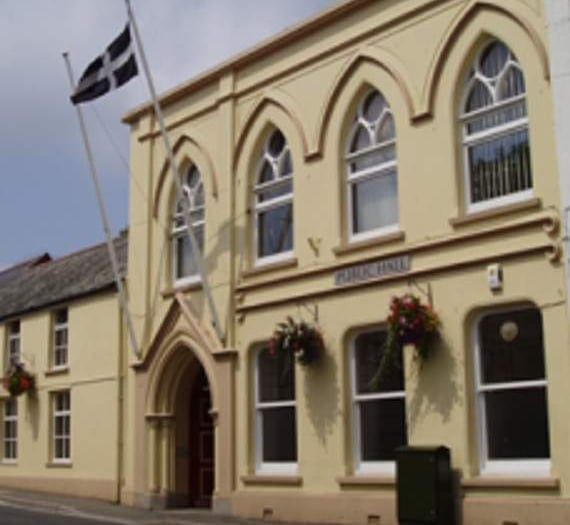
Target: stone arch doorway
<point>182,429</point>
<point>194,440</point>
<point>184,396</point>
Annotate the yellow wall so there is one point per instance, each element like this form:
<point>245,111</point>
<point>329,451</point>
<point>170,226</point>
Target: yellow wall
<point>416,53</point>
<point>92,379</point>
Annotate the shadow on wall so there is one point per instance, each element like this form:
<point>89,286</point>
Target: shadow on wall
<point>437,390</point>
<point>322,395</point>
<point>218,249</point>
<point>33,413</point>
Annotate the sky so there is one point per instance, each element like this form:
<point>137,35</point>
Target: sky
<point>47,200</point>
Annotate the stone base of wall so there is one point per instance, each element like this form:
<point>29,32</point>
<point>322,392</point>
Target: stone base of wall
<point>86,488</point>
<point>480,510</point>
<point>368,509</point>
<point>350,508</point>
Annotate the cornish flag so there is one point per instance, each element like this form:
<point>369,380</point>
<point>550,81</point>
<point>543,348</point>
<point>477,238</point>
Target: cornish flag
<point>115,67</point>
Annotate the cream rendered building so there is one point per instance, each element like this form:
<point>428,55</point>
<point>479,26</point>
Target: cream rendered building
<point>413,136</point>
<point>61,319</point>
<point>380,148</point>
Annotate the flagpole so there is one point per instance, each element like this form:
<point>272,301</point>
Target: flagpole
<point>196,255</point>
<point>103,213</point>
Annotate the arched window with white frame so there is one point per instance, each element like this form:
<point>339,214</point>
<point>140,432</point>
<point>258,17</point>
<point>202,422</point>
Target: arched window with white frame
<point>184,266</point>
<point>273,201</point>
<point>372,170</point>
<point>495,130</point>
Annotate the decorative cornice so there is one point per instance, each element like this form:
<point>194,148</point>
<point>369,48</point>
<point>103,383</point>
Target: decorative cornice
<point>548,221</point>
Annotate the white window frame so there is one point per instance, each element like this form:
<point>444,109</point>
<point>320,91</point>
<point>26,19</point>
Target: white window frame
<point>269,467</point>
<point>503,130</point>
<point>10,420</point>
<point>63,414</point>
<point>378,171</point>
<point>387,468</point>
<point>276,202</point>
<point>180,231</point>
<point>14,344</point>
<point>60,349</point>
<point>533,467</point>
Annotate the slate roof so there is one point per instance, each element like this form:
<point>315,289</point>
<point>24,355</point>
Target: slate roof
<point>27,287</point>
<point>13,272</point>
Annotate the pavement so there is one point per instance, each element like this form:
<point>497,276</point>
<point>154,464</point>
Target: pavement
<point>105,512</point>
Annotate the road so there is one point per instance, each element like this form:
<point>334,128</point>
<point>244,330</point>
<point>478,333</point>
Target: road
<point>19,516</point>
<point>18,507</point>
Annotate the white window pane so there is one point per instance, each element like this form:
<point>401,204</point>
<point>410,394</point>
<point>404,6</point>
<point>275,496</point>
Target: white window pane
<point>58,451</point>
<point>499,161</point>
<point>61,317</point>
<point>361,139</point>
<point>276,144</point>
<point>275,230</point>
<point>275,190</point>
<point>373,158</point>
<point>276,377</point>
<point>498,117</point>
<point>369,349</point>
<point>185,265</point>
<point>266,173</point>
<point>286,165</point>
<point>194,197</point>
<point>499,167</point>
<point>11,407</point>
<point>517,424</point>
<point>512,84</point>
<point>279,435</point>
<point>519,359</point>
<point>382,428</point>
<point>386,129</point>
<point>375,202</point>
<point>493,59</point>
<point>479,97</point>
<point>373,106</point>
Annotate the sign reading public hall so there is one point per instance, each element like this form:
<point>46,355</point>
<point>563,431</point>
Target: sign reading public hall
<point>372,270</point>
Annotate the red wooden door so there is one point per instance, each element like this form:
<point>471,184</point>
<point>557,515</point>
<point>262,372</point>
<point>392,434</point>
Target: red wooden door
<point>201,444</point>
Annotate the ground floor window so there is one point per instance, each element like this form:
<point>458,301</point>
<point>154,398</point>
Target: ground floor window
<point>276,426</point>
<point>512,391</point>
<point>61,429</point>
<point>10,430</point>
<point>379,410</point>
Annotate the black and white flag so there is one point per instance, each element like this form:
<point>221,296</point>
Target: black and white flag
<point>110,70</point>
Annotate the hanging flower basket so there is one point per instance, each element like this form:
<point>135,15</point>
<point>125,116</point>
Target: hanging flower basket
<point>19,380</point>
<point>302,340</point>
<point>409,322</point>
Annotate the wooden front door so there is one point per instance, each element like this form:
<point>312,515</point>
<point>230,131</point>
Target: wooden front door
<point>201,444</point>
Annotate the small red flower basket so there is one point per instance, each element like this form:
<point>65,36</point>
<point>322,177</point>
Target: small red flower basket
<point>409,322</point>
<point>18,381</point>
<point>302,340</point>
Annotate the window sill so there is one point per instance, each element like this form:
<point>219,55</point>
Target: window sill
<point>9,463</point>
<point>181,288</point>
<point>364,480</point>
<point>56,371</point>
<point>499,482</point>
<point>274,480</point>
<point>470,218</point>
<point>56,464</point>
<point>270,267</point>
<point>351,247</point>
